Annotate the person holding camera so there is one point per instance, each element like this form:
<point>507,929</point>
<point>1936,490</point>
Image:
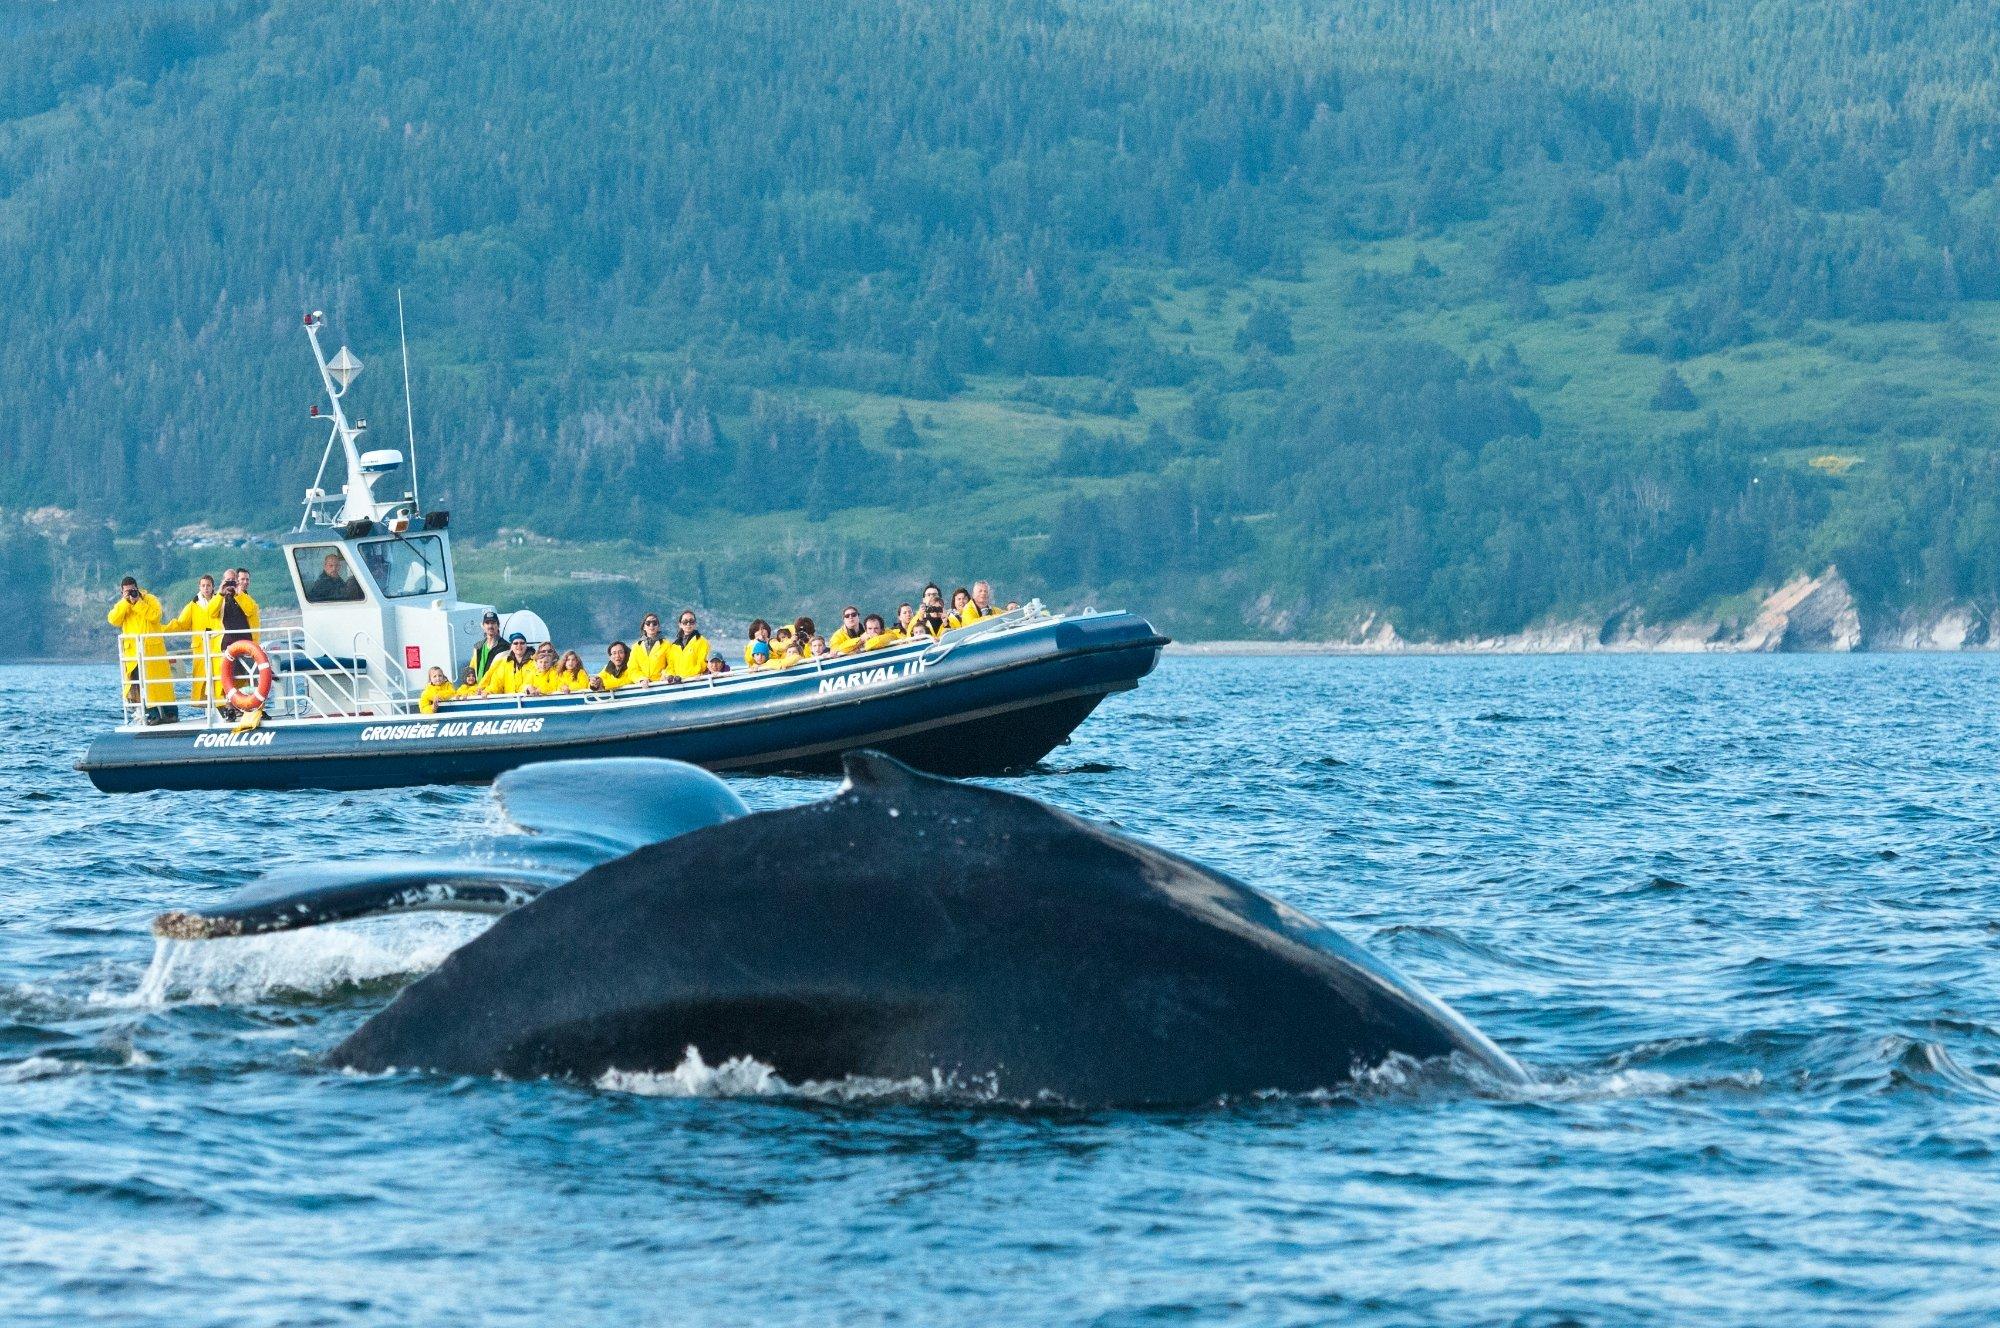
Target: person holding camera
<point>149,675</point>
<point>239,617</point>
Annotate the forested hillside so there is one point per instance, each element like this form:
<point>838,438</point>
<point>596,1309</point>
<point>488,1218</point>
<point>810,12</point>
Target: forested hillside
<point>1261,317</point>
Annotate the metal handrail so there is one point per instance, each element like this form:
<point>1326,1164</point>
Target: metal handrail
<point>193,660</point>
<point>324,689</point>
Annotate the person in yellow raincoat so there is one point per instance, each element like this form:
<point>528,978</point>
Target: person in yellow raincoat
<point>504,675</point>
<point>571,676</point>
<point>620,670</point>
<point>650,653</point>
<point>201,618</point>
<point>687,653</point>
<point>875,634</point>
<point>760,635</point>
<point>847,637</point>
<point>960,598</point>
<point>437,688</point>
<point>149,676</point>
<point>540,676</point>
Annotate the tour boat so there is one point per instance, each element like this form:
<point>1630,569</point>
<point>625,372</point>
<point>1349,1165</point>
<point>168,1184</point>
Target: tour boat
<point>333,701</point>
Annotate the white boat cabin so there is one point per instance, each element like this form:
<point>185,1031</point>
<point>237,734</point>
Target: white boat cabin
<point>377,591</point>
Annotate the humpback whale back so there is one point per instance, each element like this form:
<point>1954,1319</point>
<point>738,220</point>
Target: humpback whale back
<point>911,927</point>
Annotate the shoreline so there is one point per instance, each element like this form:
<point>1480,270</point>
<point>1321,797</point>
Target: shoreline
<point>1403,649</point>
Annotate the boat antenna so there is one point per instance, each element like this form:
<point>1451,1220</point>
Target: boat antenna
<point>409,414</point>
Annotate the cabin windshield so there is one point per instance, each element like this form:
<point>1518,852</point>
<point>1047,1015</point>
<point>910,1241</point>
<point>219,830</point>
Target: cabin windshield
<point>403,567</point>
<point>324,576</point>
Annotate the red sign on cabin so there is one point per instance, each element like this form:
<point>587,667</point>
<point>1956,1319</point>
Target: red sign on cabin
<point>413,658</point>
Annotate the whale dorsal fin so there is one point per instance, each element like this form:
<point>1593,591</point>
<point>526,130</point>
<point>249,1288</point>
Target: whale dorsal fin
<point>870,769</point>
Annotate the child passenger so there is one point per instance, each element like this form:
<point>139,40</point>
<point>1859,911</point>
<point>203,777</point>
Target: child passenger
<point>760,635</point>
<point>437,688</point>
<point>571,676</point>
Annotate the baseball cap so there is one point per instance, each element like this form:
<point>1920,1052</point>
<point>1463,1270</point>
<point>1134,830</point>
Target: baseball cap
<point>490,617</point>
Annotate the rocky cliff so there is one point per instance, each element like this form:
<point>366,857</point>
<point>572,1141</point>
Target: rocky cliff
<point>1806,614</point>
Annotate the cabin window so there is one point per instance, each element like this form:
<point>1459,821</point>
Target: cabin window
<point>413,566</point>
<point>324,575</point>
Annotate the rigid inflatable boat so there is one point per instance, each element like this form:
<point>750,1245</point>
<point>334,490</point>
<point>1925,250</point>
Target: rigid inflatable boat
<point>333,701</point>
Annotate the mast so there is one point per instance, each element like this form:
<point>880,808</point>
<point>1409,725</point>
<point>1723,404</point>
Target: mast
<point>364,469</point>
<point>409,412</point>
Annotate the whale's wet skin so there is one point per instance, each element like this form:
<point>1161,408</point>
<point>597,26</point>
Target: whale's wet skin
<point>1737,913</point>
<point>904,929</point>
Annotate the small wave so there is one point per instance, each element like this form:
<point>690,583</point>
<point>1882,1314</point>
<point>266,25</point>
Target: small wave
<point>1634,1082</point>
<point>1043,768</point>
<point>1432,941</point>
<point>1397,1077</point>
<point>1928,1065</point>
<point>37,1067</point>
<point>256,968</point>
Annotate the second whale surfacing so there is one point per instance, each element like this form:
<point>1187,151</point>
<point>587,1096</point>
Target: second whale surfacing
<point>912,928</point>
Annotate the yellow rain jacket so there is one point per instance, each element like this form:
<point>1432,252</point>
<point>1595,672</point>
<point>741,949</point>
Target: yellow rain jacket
<point>203,623</point>
<point>576,680</point>
<point>750,661</point>
<point>539,681</point>
<point>142,659</point>
<point>843,644</point>
<point>434,693</point>
<point>505,678</point>
<point>884,638</point>
<point>968,615</point>
<point>613,681</point>
<point>690,660</point>
<point>651,661</point>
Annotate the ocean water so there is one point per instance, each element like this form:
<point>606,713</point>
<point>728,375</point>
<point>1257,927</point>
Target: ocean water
<point>1741,915</point>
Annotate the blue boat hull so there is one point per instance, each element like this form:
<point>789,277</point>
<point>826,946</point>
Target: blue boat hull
<point>984,707</point>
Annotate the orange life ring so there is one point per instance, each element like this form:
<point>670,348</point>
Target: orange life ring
<point>236,695</point>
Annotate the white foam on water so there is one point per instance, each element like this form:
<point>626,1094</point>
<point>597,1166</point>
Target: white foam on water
<point>36,1067</point>
<point>744,1076</point>
<point>693,1077</point>
<point>1631,1083</point>
<point>246,969</point>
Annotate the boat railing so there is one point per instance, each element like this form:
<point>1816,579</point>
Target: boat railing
<point>180,679</point>
<point>930,650</point>
<point>177,678</point>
